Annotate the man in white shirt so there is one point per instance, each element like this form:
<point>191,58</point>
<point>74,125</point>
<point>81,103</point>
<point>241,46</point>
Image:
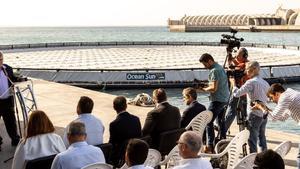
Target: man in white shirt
<point>94,126</point>
<point>79,153</point>
<point>136,154</point>
<point>288,105</point>
<point>189,145</point>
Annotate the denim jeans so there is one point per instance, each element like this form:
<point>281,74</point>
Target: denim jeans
<point>257,128</point>
<point>232,110</point>
<point>218,113</point>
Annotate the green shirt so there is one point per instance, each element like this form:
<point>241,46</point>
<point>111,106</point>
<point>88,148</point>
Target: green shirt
<point>217,73</point>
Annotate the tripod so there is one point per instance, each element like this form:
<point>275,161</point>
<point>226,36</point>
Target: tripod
<point>237,105</point>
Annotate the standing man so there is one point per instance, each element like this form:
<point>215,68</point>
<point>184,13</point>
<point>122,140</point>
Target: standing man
<point>163,117</point>
<point>79,153</point>
<point>219,95</point>
<point>288,105</point>
<point>256,88</point>
<point>194,107</point>
<point>7,107</point>
<point>123,128</point>
<point>237,104</point>
<point>94,126</point>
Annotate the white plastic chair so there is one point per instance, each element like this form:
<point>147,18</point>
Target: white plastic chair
<point>200,122</point>
<point>98,166</point>
<point>234,149</point>
<point>172,158</point>
<point>247,162</point>
<point>283,148</point>
<point>153,159</point>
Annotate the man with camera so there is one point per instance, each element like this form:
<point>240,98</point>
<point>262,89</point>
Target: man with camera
<point>256,88</point>
<point>219,95</point>
<point>237,104</point>
<point>7,107</point>
<point>288,105</point>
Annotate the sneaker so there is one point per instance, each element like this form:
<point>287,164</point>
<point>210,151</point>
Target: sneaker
<point>15,142</point>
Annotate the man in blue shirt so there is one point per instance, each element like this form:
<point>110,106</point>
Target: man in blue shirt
<point>79,153</point>
<point>219,95</point>
<point>94,126</point>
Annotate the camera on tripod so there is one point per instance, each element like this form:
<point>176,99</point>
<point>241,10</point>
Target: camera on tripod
<point>231,40</point>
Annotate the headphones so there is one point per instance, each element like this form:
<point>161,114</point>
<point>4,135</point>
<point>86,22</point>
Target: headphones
<point>245,52</point>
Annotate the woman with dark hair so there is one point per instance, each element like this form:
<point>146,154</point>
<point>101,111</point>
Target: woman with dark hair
<point>39,141</point>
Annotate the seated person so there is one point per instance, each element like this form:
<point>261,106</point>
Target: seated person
<point>268,159</point>
<point>136,154</point>
<point>79,153</point>
<point>93,125</point>
<point>40,140</point>
<point>189,144</point>
<point>123,128</point>
<point>162,118</point>
<point>142,99</point>
<point>194,107</point>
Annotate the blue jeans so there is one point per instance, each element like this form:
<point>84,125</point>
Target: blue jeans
<point>217,109</point>
<point>232,110</point>
<point>257,128</point>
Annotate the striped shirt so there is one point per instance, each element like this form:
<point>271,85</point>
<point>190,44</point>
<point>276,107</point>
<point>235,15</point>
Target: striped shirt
<point>288,105</point>
<point>256,88</point>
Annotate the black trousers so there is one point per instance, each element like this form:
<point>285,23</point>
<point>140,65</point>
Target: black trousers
<point>7,112</point>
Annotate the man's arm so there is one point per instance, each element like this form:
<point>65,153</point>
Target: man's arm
<point>280,112</point>
<point>56,164</point>
<point>245,88</point>
<point>212,87</point>
<point>150,123</point>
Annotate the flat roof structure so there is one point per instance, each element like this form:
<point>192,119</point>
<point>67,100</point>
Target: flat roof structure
<point>132,57</point>
<point>126,65</point>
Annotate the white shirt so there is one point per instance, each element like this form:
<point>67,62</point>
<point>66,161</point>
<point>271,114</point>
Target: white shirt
<point>288,105</point>
<point>194,163</point>
<point>4,88</point>
<point>94,129</point>
<point>256,88</point>
<point>78,155</point>
<point>36,147</point>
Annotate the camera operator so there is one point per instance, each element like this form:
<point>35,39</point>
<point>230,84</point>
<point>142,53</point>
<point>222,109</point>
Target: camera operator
<point>7,111</point>
<point>238,65</point>
<point>288,105</point>
<point>256,88</point>
<point>219,95</point>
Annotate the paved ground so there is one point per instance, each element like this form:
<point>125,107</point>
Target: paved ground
<point>59,102</point>
<point>136,57</point>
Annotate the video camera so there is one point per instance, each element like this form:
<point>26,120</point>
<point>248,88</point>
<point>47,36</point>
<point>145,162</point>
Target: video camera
<point>199,84</point>
<point>231,40</point>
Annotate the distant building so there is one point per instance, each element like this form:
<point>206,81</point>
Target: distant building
<point>282,17</point>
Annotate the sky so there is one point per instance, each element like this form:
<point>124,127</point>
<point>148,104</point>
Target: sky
<point>125,12</point>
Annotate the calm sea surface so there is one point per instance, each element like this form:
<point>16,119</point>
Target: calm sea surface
<point>26,35</point>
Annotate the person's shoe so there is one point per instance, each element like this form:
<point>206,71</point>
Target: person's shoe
<point>15,142</point>
<point>208,149</point>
